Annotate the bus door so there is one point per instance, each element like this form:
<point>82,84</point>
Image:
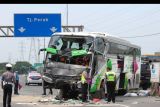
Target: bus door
<point>120,62</point>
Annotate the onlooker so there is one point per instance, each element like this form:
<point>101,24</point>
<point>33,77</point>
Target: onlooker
<point>45,84</point>
<point>16,85</point>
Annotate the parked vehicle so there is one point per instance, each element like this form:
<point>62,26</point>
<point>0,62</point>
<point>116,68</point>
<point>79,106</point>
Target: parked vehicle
<point>34,78</point>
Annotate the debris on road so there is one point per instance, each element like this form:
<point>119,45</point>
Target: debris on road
<point>71,101</point>
<point>130,95</point>
<point>139,93</point>
<point>143,92</point>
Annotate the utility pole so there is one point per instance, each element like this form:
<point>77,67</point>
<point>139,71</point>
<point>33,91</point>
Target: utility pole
<point>9,58</point>
<point>22,51</point>
<point>38,50</point>
<point>44,47</point>
<point>32,52</point>
<point>67,15</point>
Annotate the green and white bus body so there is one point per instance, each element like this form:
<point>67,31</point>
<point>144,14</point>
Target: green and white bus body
<point>98,48</point>
<point>127,78</point>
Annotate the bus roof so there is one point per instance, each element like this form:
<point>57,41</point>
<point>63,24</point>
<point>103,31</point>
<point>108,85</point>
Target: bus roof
<point>106,36</point>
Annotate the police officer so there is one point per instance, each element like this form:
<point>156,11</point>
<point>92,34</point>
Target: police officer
<point>7,81</point>
<point>84,86</point>
<point>110,82</point>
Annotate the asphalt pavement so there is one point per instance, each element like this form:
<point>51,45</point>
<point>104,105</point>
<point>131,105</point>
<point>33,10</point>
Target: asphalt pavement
<point>31,95</point>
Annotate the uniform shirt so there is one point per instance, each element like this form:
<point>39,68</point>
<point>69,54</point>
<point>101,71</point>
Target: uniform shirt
<point>84,77</point>
<point>110,76</point>
<point>8,77</point>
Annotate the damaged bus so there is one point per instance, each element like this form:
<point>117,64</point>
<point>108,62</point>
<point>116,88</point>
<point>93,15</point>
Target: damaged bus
<point>70,53</point>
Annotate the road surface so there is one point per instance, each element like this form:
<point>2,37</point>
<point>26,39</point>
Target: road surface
<point>30,96</point>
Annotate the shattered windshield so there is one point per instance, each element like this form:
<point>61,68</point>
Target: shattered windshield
<point>70,42</point>
<point>71,49</point>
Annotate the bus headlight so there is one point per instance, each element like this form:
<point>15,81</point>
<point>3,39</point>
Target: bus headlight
<point>79,84</point>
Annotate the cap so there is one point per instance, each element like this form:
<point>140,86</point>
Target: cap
<point>9,65</point>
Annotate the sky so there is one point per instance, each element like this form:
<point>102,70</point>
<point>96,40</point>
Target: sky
<point>120,20</point>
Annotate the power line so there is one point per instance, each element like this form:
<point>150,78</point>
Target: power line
<point>135,19</point>
<point>145,16</point>
<point>91,14</point>
<point>111,16</point>
<point>137,28</point>
<point>88,29</point>
<point>142,35</point>
<point>22,50</point>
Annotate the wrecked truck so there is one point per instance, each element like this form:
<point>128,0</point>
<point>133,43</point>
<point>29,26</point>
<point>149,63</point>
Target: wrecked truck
<point>70,53</point>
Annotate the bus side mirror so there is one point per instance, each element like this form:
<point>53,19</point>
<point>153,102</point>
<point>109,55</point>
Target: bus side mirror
<point>40,51</point>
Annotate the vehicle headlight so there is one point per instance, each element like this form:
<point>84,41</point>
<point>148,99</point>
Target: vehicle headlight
<point>79,84</point>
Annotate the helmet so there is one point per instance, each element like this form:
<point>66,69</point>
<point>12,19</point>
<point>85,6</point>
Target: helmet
<point>8,65</point>
<point>109,64</point>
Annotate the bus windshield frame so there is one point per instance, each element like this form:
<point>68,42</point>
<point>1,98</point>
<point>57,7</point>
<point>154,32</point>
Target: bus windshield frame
<point>71,48</point>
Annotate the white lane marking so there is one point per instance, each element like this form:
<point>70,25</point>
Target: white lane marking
<point>118,105</point>
<point>27,103</point>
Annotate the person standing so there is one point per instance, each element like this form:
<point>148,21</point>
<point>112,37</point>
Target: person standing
<point>84,86</point>
<point>110,82</point>
<point>17,83</point>
<point>45,85</point>
<point>6,83</point>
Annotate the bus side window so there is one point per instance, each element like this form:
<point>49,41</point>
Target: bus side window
<point>120,63</point>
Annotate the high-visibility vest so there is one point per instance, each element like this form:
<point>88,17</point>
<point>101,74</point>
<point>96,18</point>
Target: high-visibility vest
<point>110,76</point>
<point>83,79</point>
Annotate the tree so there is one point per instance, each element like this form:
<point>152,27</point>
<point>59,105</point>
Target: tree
<point>2,67</point>
<point>22,67</point>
